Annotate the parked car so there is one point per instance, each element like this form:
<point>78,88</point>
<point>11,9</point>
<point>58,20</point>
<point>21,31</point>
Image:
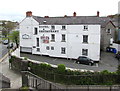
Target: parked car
<point>117,55</point>
<point>5,42</point>
<point>10,45</point>
<point>84,60</point>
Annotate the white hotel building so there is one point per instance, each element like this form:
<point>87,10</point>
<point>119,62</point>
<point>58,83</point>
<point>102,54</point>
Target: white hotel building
<point>65,37</point>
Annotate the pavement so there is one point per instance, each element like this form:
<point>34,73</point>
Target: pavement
<point>107,62</point>
<point>15,77</point>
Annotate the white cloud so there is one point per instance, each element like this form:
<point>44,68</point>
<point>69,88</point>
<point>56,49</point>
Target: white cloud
<point>15,9</point>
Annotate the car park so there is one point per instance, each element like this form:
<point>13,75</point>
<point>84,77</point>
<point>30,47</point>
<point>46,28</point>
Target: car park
<point>84,60</point>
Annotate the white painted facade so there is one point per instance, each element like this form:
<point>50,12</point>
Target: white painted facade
<point>73,43</point>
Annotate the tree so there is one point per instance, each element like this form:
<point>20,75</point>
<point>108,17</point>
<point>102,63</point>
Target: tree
<point>7,26</point>
<point>14,36</point>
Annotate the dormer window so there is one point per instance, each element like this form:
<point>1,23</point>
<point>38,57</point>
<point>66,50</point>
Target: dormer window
<point>53,27</point>
<point>85,27</point>
<point>63,27</point>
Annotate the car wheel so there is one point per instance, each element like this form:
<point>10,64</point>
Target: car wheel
<point>90,64</point>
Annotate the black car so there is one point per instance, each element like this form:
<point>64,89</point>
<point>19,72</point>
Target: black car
<point>84,60</point>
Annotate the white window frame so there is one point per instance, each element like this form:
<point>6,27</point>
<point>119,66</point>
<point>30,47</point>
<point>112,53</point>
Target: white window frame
<point>85,40</point>
<point>63,38</point>
<point>64,27</point>
<point>35,30</point>
<point>63,50</point>
<point>83,52</point>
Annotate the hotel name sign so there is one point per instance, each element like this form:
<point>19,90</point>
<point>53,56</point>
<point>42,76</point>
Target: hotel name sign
<point>44,29</point>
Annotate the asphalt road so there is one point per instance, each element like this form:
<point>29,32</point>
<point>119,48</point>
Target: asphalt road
<point>3,50</point>
<point>107,62</point>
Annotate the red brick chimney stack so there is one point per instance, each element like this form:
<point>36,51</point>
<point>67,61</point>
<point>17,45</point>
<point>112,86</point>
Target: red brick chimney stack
<point>98,13</point>
<point>74,14</point>
<point>28,14</point>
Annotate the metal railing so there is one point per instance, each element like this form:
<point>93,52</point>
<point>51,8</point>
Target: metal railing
<point>31,80</point>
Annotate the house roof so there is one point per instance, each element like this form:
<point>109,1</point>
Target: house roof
<point>71,20</point>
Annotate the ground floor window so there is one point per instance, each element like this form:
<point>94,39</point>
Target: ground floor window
<point>63,50</point>
<point>47,48</point>
<point>38,49</point>
<point>85,52</point>
<point>52,48</point>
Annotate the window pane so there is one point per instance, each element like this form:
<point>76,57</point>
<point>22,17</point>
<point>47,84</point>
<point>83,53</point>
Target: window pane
<point>63,50</point>
<point>47,48</point>
<point>53,37</point>
<point>85,52</point>
<point>35,30</point>
<point>37,40</point>
<point>85,38</point>
<point>63,37</point>
<point>52,27</point>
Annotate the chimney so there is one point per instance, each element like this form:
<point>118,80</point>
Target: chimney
<point>65,15</point>
<point>98,13</point>
<point>74,14</point>
<point>28,14</point>
<point>46,16</point>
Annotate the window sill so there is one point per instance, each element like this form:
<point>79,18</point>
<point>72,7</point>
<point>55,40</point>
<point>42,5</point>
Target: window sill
<point>52,40</point>
<point>85,42</point>
<point>63,41</point>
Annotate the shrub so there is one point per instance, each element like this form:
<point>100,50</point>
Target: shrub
<point>118,70</point>
<point>105,72</point>
<point>25,58</point>
<point>61,68</point>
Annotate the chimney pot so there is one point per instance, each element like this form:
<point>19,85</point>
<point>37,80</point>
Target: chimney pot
<point>74,14</point>
<point>65,15</point>
<point>98,13</point>
<point>46,16</point>
<point>28,14</point>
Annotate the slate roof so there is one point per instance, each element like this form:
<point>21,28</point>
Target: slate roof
<point>71,20</point>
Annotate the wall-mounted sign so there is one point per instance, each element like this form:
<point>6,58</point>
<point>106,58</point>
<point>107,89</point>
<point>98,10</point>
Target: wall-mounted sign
<point>43,26</point>
<point>45,39</point>
<point>25,36</point>
<point>49,31</point>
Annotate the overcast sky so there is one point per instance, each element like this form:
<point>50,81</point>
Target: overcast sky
<point>15,9</point>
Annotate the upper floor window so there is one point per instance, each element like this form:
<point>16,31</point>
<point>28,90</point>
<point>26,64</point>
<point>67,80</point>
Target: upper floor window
<point>85,52</point>
<point>35,30</point>
<point>63,38</point>
<point>37,42</point>
<point>108,31</point>
<point>85,27</point>
<point>53,27</point>
<point>85,38</point>
<point>53,37</point>
<point>63,27</point>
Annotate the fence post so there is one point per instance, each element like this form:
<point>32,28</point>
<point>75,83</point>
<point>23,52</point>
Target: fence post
<point>50,87</point>
<point>36,83</point>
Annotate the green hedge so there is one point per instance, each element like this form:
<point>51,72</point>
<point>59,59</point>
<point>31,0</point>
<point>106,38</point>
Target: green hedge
<point>66,76</point>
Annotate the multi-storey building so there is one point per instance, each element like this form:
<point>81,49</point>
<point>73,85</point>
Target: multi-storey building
<point>66,37</point>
